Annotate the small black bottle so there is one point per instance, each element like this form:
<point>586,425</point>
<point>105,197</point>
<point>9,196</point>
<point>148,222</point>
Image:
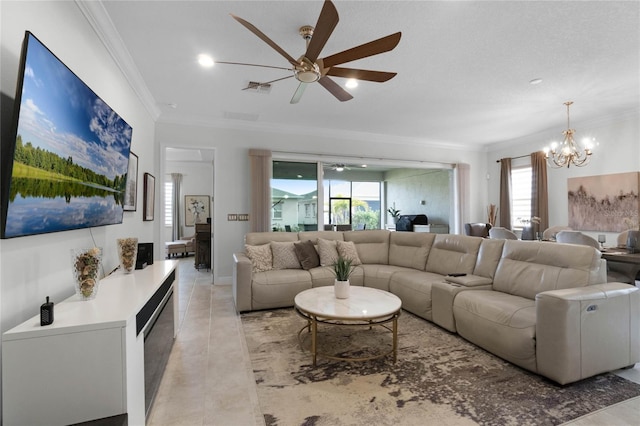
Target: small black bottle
<point>46,313</point>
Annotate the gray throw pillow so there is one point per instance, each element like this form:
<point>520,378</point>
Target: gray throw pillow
<point>307,254</point>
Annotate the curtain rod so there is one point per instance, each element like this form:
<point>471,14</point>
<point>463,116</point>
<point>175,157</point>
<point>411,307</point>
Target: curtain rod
<point>513,158</point>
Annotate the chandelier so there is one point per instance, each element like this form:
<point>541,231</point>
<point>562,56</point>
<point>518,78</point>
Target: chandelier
<point>568,152</point>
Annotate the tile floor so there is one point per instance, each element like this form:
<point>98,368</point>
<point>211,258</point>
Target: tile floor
<point>209,381</point>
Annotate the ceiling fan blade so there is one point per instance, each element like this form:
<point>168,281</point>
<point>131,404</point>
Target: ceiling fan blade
<point>298,94</point>
<point>266,39</point>
<point>267,82</point>
<point>335,89</point>
<point>374,47</point>
<point>327,22</point>
<point>254,65</point>
<point>368,75</point>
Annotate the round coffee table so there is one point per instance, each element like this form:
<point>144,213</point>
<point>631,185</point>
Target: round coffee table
<point>366,307</point>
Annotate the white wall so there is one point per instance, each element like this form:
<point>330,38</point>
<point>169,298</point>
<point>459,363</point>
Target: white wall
<point>618,152</point>
<point>407,188</point>
<point>34,267</point>
<point>231,168</point>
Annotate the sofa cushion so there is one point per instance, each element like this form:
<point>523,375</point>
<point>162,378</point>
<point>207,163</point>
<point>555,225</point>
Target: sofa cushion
<point>323,276</point>
<point>347,250</point>
<point>307,254</point>
<point>531,267</point>
<point>488,257</point>
<point>453,254</point>
<point>284,255</point>
<point>260,256</point>
<point>328,251</point>
<point>373,245</point>
<point>325,235</point>
<point>500,323</point>
<point>414,289</point>
<point>278,288</point>
<point>379,276</point>
<point>410,249</point>
<point>260,238</point>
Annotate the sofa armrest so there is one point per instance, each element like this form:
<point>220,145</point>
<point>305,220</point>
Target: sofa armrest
<point>581,332</point>
<point>241,284</point>
<point>469,280</point>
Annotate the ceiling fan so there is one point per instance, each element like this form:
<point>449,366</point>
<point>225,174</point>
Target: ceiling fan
<point>310,69</point>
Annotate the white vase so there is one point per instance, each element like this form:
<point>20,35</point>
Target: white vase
<point>341,289</point>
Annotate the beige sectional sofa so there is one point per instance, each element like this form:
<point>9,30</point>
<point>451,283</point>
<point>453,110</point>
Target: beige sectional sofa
<point>543,306</point>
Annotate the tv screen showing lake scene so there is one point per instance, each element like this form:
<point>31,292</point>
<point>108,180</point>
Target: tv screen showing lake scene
<point>71,151</point>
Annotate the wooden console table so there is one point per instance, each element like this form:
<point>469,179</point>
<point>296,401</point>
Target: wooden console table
<point>93,361</point>
<point>203,246</point>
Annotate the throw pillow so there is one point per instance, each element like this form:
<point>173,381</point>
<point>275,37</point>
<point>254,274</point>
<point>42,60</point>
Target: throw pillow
<point>347,249</point>
<point>327,251</point>
<point>261,257</point>
<point>284,255</point>
<point>307,254</point>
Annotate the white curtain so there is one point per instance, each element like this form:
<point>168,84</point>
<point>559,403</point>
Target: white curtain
<point>260,203</point>
<point>176,180</point>
<point>462,196</point>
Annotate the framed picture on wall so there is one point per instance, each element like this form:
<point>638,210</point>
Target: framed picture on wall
<point>607,203</point>
<point>196,209</point>
<point>131,188</point>
<point>149,196</point>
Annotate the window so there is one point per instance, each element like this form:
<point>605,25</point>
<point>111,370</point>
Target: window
<point>168,206</point>
<point>520,197</point>
<point>352,202</point>
<point>277,210</point>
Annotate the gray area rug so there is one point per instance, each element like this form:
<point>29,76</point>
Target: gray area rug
<point>439,378</point>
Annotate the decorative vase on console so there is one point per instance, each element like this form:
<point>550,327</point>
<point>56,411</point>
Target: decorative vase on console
<point>85,266</point>
<point>127,253</point>
<point>342,270</point>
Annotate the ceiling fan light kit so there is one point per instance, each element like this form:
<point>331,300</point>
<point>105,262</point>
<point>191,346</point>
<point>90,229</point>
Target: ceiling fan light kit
<point>309,68</point>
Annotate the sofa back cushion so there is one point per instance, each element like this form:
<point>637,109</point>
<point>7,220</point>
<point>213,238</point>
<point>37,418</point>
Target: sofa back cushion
<point>453,254</point>
<point>260,238</point>
<point>314,235</point>
<point>410,249</point>
<point>372,246</point>
<point>531,267</point>
<point>488,257</point>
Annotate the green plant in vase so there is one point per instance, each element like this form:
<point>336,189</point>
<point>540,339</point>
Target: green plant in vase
<point>342,269</point>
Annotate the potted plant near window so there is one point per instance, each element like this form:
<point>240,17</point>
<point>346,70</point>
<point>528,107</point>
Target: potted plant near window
<point>342,270</point>
<point>395,214</point>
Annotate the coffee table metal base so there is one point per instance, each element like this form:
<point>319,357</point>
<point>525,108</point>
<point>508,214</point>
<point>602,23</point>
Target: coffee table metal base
<point>311,329</point>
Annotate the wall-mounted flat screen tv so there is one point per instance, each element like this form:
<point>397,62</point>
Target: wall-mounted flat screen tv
<point>65,165</point>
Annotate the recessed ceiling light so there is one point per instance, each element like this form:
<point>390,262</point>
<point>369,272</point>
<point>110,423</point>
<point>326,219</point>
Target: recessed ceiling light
<point>205,60</point>
<point>535,81</point>
<point>363,166</point>
<point>352,83</point>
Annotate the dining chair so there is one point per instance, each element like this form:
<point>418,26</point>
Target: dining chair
<point>577,237</point>
<point>550,232</point>
<point>501,233</point>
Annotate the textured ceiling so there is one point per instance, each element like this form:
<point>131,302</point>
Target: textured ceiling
<point>463,66</point>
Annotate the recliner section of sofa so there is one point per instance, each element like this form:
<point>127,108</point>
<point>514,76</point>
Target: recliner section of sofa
<point>528,302</point>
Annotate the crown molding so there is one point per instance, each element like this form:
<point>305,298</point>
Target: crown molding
<point>99,19</point>
<point>550,133</point>
<point>280,128</point>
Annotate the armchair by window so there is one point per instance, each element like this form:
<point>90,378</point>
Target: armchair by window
<point>477,229</point>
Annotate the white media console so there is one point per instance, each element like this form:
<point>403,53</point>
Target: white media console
<point>92,362</point>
